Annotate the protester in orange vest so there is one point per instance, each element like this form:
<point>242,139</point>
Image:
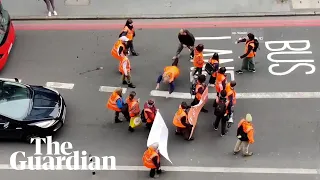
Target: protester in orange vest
<point>214,61</point>
<point>151,160</point>
<point>221,112</point>
<point>149,112</point>
<point>169,75</point>
<point>125,69</point>
<point>231,97</point>
<point>119,47</point>
<point>245,135</point>
<point>116,103</point>
<point>200,88</point>
<point>133,108</point>
<point>221,80</point>
<point>180,121</point>
<point>198,61</point>
<point>249,54</point>
<point>129,32</point>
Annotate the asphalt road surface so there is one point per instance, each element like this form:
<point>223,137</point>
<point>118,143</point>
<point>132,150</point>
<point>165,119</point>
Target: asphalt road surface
<point>287,130</point>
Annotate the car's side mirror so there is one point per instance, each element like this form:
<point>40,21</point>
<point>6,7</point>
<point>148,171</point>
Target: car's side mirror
<point>16,79</point>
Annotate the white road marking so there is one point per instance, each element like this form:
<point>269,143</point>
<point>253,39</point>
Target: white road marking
<point>111,89</point>
<point>221,61</point>
<point>210,169</point>
<point>10,79</point>
<point>230,70</point>
<point>257,95</point>
<point>213,38</point>
<point>59,85</point>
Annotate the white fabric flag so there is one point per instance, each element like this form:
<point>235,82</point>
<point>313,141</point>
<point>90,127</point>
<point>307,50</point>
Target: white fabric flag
<point>159,134</point>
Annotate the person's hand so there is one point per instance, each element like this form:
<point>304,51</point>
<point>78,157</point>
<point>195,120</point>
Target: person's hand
<point>239,57</point>
<point>157,87</point>
<point>138,100</point>
<point>239,136</point>
<point>236,42</point>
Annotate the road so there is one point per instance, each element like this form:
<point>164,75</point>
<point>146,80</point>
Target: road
<point>287,130</point>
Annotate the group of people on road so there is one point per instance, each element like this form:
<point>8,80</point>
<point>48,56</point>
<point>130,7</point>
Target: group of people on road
<point>223,104</point>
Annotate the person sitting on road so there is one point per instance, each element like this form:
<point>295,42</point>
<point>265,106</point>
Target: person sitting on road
<point>169,75</point>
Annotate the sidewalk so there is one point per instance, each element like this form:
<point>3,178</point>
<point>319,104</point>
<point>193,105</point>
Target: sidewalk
<point>112,9</point>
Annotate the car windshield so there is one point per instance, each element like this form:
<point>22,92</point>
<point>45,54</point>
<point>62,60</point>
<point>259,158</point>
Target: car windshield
<point>4,22</point>
<point>15,100</point>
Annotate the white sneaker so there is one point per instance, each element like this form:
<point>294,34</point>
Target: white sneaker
<point>55,13</point>
<point>49,13</point>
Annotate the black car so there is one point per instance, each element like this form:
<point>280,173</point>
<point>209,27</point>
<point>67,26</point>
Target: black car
<point>28,111</point>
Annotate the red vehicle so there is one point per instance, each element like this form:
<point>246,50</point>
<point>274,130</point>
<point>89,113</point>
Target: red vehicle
<point>7,36</point>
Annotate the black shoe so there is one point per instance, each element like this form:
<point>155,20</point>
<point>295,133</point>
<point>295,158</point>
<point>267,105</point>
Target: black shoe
<point>178,133</point>
<point>252,70</point>
<point>124,82</point>
<point>130,129</point>
<point>191,139</point>
<point>134,54</point>
<point>204,110</point>
<point>131,85</point>
<point>239,72</point>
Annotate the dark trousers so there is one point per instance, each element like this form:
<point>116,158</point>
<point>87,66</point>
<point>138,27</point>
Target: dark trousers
<point>198,70</point>
<point>185,132</point>
<point>50,3</point>
<point>130,47</point>
<point>154,171</point>
<point>125,113</point>
<point>195,102</point>
<point>149,125</point>
<point>180,48</point>
<point>223,120</point>
<point>212,80</point>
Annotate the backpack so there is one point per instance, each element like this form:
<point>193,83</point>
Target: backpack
<point>256,45</point>
<point>240,132</point>
<point>220,108</point>
<point>209,68</point>
<point>193,87</point>
<point>143,118</point>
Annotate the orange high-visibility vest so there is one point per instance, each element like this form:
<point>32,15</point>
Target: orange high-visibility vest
<point>133,107</point>
<point>249,43</point>
<point>130,32</point>
<point>115,49</point>
<point>198,95</point>
<point>112,102</point>
<point>146,110</point>
<point>177,118</point>
<point>214,62</point>
<point>172,71</point>
<point>198,59</point>
<point>220,82</point>
<point>125,60</point>
<point>231,92</point>
<point>148,155</point>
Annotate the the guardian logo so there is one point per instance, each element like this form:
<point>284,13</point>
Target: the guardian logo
<point>62,158</point>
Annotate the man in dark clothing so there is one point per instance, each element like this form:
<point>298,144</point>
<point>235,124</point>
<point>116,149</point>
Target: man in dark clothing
<point>248,56</point>
<point>200,87</point>
<point>221,112</point>
<point>186,38</point>
<point>129,32</point>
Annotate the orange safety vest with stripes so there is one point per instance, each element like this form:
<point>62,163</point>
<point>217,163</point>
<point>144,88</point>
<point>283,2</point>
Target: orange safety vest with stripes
<point>249,43</point>
<point>112,102</point>
<point>115,49</point>
<point>130,32</point>
<point>133,107</point>
<point>213,62</point>
<point>128,67</point>
<point>199,95</point>
<point>198,60</point>
<point>177,118</point>
<point>231,92</point>
<point>148,155</point>
<point>220,82</point>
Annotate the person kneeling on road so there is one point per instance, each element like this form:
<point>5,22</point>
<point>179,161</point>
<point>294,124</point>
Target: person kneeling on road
<point>125,70</point>
<point>221,112</point>
<point>200,88</point>
<point>169,75</point>
<point>116,103</point>
<point>149,113</point>
<point>180,120</point>
<point>151,160</point>
<point>134,111</point>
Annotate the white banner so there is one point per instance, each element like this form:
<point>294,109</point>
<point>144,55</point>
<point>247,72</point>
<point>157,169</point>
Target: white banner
<point>159,134</point>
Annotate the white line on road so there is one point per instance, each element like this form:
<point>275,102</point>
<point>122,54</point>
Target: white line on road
<point>221,61</point>
<point>208,169</point>
<point>9,79</point>
<point>258,95</point>
<point>59,85</point>
<point>213,38</point>
<point>111,89</point>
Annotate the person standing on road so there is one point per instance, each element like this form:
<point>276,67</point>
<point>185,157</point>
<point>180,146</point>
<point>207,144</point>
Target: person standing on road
<point>198,61</point>
<point>221,112</point>
<point>151,160</point>
<point>231,97</point>
<point>125,69</point>
<point>180,121</point>
<point>170,74</point>
<point>245,135</point>
<point>200,88</point>
<point>129,32</point>
<point>149,113</point>
<point>134,111</point>
<point>50,4</point>
<point>214,62</point>
<point>116,103</point>
<point>187,39</point>
<point>221,80</point>
<point>249,54</point>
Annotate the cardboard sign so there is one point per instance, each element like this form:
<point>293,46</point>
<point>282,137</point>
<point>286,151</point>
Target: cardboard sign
<point>195,110</point>
<point>159,133</point>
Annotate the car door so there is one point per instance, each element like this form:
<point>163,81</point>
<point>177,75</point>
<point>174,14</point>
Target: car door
<point>10,129</point>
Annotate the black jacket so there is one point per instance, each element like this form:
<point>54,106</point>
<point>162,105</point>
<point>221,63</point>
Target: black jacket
<point>187,39</point>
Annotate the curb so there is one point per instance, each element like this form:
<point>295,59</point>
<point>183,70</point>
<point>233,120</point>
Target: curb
<point>170,16</point>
